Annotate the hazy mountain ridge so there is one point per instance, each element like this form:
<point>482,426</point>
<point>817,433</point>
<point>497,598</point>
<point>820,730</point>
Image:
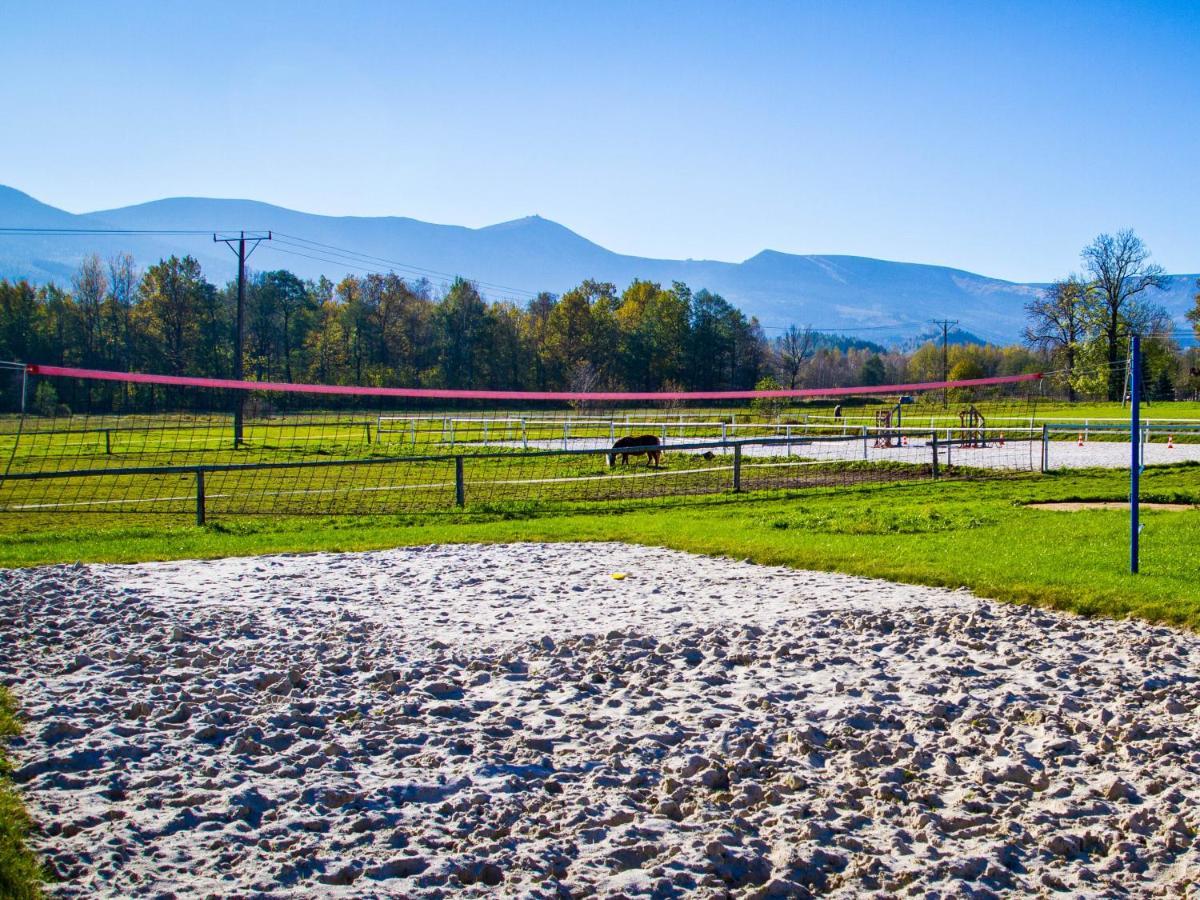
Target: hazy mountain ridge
<point>893,300</point>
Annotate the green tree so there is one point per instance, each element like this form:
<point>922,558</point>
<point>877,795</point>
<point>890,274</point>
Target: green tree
<point>173,292</point>
<point>22,322</point>
<point>873,371</point>
<point>465,336</point>
<point>767,407</point>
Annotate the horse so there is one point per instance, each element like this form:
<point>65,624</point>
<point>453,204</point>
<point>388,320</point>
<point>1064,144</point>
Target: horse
<point>648,446</point>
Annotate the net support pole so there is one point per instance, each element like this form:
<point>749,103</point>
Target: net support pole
<point>1045,448</point>
<point>1135,467</point>
<point>200,511</point>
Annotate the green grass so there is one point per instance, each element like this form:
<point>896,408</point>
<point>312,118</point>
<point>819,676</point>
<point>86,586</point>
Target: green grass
<point>1173,411</point>
<point>978,535</point>
<point>20,875</point>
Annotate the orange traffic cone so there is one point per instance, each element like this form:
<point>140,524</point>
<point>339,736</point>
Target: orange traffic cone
<point>1080,439</point>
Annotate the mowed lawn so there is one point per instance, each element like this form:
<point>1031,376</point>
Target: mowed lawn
<point>979,535</point>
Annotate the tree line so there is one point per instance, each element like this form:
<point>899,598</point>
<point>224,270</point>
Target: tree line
<point>384,330</point>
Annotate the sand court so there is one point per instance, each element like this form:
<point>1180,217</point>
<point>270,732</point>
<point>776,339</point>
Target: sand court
<point>512,720</point>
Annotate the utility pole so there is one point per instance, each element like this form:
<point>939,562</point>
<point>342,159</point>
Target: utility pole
<point>238,375</point>
<point>945,326</point>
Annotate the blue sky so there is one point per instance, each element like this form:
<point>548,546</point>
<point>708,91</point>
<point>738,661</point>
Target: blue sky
<point>996,137</point>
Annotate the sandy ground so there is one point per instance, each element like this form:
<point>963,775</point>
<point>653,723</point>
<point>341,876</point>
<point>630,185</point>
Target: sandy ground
<point>1115,455</point>
<point>514,721</point>
<point>1020,455</point>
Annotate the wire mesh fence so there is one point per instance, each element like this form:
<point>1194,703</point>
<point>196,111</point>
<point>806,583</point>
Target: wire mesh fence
<point>201,448</point>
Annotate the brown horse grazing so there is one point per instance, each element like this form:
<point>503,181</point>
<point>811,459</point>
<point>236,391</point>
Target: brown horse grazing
<point>646,444</point>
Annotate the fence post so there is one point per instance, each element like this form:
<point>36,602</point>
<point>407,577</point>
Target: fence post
<point>737,468</point>
<point>524,434</point>
<point>200,512</point>
<point>864,433</point>
<point>933,444</point>
<point>367,432</point>
<point>1045,448</point>
<point>788,438</point>
<point>460,486</point>
<point>108,441</point>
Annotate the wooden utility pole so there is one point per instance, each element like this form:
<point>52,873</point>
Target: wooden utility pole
<point>945,326</point>
<point>238,374</point>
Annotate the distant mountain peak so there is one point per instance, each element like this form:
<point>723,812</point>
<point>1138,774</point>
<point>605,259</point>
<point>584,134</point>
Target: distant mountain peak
<point>529,254</point>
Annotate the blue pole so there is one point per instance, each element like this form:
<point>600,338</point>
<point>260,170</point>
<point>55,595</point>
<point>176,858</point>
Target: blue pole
<point>1135,462</point>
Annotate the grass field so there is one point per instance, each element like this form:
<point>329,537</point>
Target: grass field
<point>20,876</point>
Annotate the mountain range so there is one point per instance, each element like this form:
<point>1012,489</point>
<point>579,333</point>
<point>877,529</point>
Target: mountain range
<point>875,299</point>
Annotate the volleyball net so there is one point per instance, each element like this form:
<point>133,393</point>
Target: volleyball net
<point>87,441</point>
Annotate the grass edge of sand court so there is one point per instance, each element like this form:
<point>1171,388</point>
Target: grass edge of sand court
<point>20,872</point>
<point>980,535</point>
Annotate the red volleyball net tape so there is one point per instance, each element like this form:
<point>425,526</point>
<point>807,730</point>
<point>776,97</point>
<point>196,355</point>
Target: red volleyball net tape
<point>562,396</point>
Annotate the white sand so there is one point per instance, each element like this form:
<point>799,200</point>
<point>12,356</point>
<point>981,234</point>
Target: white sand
<point>1019,455</point>
<point>429,722</point>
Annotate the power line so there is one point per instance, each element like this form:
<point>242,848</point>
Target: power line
<point>368,270</point>
<point>70,231</point>
<point>401,265</point>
